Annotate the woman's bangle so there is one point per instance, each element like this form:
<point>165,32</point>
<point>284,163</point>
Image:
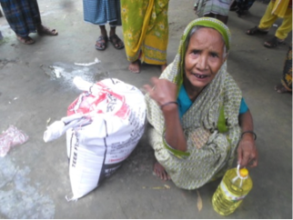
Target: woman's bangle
<point>168,103</point>
<point>251,132</point>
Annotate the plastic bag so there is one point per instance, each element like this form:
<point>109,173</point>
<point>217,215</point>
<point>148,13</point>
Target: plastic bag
<point>11,138</point>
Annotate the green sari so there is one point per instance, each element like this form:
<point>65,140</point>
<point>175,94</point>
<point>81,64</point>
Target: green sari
<point>287,71</point>
<point>210,126</point>
<point>145,30</point>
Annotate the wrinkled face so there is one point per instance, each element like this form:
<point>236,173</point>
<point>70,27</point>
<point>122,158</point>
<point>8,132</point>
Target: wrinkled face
<point>204,57</point>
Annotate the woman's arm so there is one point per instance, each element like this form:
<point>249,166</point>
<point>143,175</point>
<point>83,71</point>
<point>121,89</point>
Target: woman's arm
<point>247,152</point>
<point>164,92</point>
<point>174,135</point>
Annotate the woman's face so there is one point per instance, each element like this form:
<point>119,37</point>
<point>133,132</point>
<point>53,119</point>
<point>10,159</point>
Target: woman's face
<point>204,57</point>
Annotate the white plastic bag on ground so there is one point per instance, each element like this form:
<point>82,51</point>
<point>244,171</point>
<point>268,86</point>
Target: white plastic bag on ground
<point>103,127</point>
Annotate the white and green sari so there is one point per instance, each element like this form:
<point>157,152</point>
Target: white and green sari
<point>210,125</point>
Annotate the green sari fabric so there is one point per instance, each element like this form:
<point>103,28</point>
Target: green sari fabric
<point>287,70</point>
<point>210,125</point>
<point>145,30</point>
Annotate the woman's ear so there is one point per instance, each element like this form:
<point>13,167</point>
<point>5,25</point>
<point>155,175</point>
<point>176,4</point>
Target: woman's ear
<point>225,57</point>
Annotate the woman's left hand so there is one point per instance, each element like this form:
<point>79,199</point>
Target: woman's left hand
<point>247,152</point>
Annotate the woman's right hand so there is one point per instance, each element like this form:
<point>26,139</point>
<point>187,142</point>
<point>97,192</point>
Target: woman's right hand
<point>163,90</point>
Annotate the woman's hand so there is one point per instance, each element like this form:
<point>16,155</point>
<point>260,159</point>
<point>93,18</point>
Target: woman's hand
<point>247,152</point>
<point>163,91</point>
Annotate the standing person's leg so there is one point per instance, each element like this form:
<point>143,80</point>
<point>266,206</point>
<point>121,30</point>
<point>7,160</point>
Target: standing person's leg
<point>154,47</point>
<point>268,18</point>
<point>15,16</point>
<point>222,18</point>
<point>286,82</point>
<point>114,39</point>
<point>102,42</point>
<point>282,32</point>
<point>286,26</point>
<point>265,23</point>
<point>135,22</point>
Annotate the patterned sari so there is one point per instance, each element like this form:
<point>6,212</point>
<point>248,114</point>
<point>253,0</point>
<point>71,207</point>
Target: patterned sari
<point>210,125</point>
<point>287,70</point>
<point>145,30</point>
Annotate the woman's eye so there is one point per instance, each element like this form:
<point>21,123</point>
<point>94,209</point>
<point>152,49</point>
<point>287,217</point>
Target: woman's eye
<point>214,55</point>
<point>195,52</point>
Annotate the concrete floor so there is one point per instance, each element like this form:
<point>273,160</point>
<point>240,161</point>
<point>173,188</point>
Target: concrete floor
<point>34,177</point>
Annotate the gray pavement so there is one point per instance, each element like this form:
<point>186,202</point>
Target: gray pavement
<point>34,177</point>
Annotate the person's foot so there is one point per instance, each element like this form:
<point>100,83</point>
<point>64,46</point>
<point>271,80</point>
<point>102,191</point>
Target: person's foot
<point>255,30</point>
<point>26,40</point>
<point>134,66</point>
<point>281,89</point>
<point>273,43</point>
<point>116,42</point>
<point>163,67</point>
<point>160,171</point>
<point>42,30</point>
<point>102,43</point>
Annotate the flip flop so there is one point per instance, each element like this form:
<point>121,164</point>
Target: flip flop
<point>116,42</point>
<point>26,40</point>
<point>273,43</point>
<point>46,31</point>
<point>255,30</point>
<point>281,89</point>
<point>102,43</point>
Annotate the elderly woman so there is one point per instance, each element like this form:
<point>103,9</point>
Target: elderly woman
<point>198,115</point>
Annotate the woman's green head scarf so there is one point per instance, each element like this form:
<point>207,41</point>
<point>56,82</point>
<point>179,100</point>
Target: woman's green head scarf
<point>202,22</point>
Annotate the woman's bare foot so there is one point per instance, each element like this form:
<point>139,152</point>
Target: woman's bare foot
<point>281,89</point>
<point>43,30</point>
<point>134,66</point>
<point>160,171</point>
<point>25,40</point>
<point>163,67</point>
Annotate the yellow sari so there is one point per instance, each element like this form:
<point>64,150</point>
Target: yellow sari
<point>145,30</point>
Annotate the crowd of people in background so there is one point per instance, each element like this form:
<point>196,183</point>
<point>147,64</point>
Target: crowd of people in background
<point>24,18</point>
<point>144,23</point>
<point>196,74</point>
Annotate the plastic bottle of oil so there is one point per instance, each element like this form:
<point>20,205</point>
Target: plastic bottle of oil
<point>233,188</point>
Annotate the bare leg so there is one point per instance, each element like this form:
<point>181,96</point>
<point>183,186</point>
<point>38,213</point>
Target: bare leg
<point>134,66</point>
<point>101,43</point>
<point>114,39</point>
<point>103,30</point>
<point>222,18</point>
<point>160,171</point>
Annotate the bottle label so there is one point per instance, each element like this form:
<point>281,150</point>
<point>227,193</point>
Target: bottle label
<point>230,195</point>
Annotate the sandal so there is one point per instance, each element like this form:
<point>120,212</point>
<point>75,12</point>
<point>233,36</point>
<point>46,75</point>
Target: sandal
<point>281,89</point>
<point>116,42</point>
<point>102,43</point>
<point>273,43</point>
<point>26,40</point>
<point>256,30</point>
<point>46,31</point>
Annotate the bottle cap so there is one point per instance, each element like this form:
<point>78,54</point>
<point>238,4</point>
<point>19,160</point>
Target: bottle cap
<point>244,172</point>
